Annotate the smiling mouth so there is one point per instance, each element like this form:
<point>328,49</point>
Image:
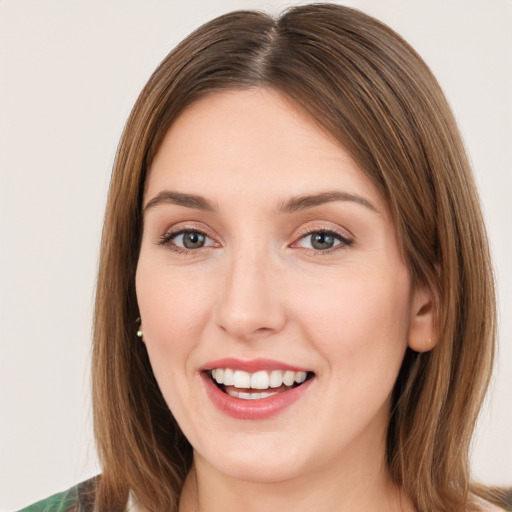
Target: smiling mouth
<point>257,385</point>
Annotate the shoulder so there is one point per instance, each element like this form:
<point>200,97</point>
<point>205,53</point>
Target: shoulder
<point>79,498</point>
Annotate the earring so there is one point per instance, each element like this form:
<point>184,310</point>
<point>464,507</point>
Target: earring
<point>139,328</point>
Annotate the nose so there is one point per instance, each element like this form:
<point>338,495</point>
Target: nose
<point>251,302</point>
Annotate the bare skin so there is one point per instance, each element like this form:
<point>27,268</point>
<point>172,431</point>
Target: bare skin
<point>286,252</point>
<point>326,493</point>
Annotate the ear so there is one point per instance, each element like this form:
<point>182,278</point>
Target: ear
<point>423,334</point>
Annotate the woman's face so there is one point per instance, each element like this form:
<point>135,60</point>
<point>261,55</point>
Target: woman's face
<point>267,258</point>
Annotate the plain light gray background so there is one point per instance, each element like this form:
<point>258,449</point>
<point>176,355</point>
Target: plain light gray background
<point>70,71</point>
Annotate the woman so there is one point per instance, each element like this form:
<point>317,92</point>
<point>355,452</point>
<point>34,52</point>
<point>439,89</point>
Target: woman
<point>293,221</point>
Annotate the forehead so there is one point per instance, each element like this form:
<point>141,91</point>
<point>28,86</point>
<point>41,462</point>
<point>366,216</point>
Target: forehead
<point>252,143</point>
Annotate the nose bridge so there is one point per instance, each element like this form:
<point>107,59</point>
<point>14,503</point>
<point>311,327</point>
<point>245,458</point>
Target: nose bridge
<point>249,303</point>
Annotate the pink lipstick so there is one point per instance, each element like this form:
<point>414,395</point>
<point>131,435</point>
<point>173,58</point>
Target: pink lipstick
<point>254,389</point>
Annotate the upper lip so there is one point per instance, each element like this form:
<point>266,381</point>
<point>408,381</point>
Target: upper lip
<point>251,365</point>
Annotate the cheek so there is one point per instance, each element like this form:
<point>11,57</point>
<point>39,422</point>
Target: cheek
<point>360,325</point>
<point>169,301</point>
<point>173,311</point>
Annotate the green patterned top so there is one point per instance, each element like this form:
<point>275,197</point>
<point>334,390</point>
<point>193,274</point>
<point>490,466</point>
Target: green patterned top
<point>79,498</point>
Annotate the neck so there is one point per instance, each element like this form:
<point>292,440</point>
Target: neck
<point>333,489</point>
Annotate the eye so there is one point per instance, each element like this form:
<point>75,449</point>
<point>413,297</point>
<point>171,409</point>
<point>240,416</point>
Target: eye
<point>323,241</point>
<point>188,240</point>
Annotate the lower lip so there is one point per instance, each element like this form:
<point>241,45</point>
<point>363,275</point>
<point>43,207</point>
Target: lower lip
<point>259,409</point>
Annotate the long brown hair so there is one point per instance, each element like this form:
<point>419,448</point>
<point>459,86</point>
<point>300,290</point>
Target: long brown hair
<point>369,90</point>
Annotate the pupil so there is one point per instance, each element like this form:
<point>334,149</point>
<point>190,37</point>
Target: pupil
<point>193,240</point>
<point>322,241</point>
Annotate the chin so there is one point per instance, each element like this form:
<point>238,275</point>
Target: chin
<point>265,464</point>
<point>262,472</point>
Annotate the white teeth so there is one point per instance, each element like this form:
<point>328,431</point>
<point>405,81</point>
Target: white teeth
<point>300,377</point>
<point>229,377</point>
<point>257,380</point>
<point>276,378</point>
<point>249,396</point>
<point>288,378</point>
<point>266,395</point>
<point>260,380</point>
<point>242,379</point>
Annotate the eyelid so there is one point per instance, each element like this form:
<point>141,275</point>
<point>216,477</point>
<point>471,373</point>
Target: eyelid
<point>323,227</point>
<point>165,239</point>
<point>345,240</point>
<point>173,236</point>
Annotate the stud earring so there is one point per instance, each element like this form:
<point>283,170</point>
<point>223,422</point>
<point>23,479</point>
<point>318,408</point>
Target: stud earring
<point>139,328</point>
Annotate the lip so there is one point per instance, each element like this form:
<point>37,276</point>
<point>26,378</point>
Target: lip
<point>251,366</point>
<point>259,409</point>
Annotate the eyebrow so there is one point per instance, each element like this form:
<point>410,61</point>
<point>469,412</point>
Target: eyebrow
<point>180,199</point>
<point>294,204</point>
<point>304,202</point>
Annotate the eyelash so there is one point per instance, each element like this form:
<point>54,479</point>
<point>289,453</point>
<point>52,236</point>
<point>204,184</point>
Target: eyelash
<point>344,242</point>
<point>167,238</point>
